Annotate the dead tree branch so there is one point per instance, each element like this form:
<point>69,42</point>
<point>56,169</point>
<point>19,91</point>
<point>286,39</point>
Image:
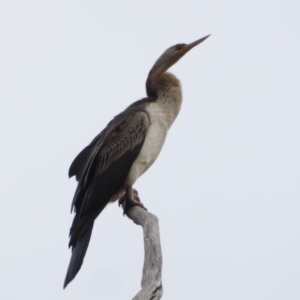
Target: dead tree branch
<point>151,281</point>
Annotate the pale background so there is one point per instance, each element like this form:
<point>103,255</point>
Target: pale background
<point>226,185</point>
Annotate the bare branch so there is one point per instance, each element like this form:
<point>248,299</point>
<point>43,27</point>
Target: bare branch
<point>151,281</point>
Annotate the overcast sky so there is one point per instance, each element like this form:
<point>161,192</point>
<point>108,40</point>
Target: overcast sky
<point>226,185</point>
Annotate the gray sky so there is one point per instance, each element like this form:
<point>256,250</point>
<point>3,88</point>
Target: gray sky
<point>226,185</point>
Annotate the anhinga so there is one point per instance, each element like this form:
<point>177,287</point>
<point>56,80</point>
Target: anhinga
<point>108,167</point>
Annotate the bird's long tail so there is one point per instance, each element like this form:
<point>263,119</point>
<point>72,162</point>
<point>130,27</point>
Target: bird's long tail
<point>78,253</point>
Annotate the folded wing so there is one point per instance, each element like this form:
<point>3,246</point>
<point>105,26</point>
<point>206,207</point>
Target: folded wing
<point>101,170</point>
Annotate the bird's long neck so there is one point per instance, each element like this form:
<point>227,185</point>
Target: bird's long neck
<point>166,89</point>
<point>159,80</point>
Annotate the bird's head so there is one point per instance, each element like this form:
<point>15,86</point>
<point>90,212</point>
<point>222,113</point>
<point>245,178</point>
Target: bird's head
<point>172,55</point>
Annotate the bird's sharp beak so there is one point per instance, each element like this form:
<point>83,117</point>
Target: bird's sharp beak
<point>188,47</point>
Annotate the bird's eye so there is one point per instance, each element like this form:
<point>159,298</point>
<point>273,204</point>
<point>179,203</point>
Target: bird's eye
<point>178,47</point>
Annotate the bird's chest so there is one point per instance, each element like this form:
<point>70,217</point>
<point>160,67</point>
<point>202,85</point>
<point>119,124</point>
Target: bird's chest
<point>152,146</point>
<point>162,114</point>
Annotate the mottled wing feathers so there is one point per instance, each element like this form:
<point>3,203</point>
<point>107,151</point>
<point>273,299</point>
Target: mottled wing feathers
<point>101,170</point>
<point>105,171</point>
<point>125,137</point>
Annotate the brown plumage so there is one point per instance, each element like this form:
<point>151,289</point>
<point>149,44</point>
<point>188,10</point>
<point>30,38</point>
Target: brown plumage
<point>108,167</point>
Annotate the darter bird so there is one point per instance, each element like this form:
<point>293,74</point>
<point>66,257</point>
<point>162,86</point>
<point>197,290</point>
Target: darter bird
<point>109,166</point>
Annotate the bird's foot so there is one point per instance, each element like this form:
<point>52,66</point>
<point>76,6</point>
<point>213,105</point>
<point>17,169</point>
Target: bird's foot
<point>129,199</point>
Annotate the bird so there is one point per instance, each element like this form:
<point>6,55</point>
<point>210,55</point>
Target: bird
<point>109,166</point>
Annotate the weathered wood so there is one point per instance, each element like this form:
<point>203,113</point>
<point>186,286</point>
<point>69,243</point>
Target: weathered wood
<point>152,288</point>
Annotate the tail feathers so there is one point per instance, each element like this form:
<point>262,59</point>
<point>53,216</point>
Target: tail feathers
<point>78,253</point>
<point>80,226</point>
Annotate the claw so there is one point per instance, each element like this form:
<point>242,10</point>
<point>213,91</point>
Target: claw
<point>129,199</point>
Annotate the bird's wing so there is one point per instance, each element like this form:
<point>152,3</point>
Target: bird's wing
<point>103,166</point>
<point>101,169</point>
<point>78,165</point>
